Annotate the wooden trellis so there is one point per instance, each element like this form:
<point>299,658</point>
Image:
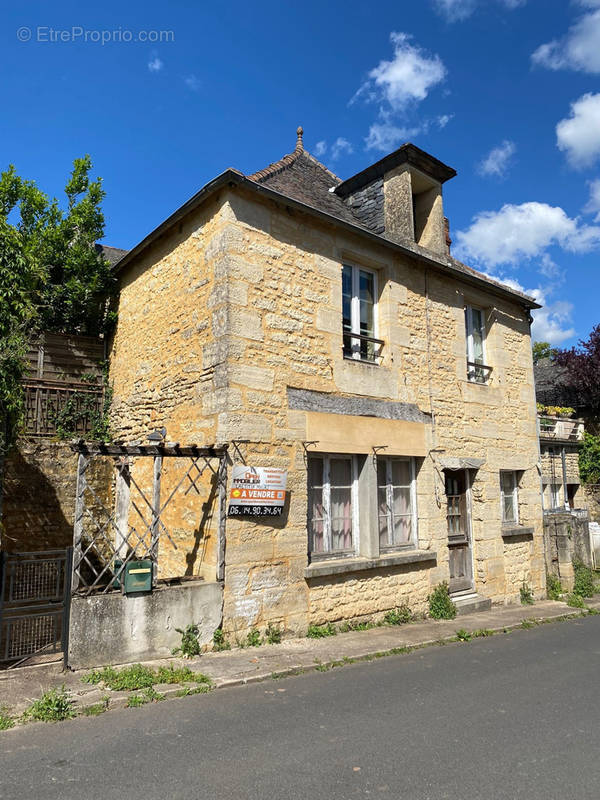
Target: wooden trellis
<point>105,539</point>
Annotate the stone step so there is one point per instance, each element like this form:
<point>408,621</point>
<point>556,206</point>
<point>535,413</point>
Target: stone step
<point>469,603</point>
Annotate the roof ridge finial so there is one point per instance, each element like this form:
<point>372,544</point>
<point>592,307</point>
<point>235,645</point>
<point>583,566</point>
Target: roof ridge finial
<point>300,134</point>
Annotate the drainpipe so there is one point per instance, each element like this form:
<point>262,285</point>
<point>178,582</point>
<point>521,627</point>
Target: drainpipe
<point>564,477</point>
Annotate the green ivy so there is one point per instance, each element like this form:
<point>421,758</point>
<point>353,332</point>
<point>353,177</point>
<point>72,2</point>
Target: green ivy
<point>589,459</point>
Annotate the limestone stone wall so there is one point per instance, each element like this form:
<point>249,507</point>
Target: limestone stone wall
<point>39,495</point>
<point>243,301</point>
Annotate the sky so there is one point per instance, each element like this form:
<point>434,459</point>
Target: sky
<point>165,96</point>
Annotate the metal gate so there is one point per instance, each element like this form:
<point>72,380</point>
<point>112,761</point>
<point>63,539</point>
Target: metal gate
<point>34,605</point>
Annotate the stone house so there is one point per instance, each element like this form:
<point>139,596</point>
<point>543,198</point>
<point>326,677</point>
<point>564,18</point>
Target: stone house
<point>322,327</point>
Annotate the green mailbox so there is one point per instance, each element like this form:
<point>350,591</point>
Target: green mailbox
<point>137,576</point>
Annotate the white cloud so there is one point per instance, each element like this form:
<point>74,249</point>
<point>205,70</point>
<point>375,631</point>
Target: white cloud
<point>498,159</point>
<point>155,64</point>
<point>406,79</point>
<point>593,204</point>
<point>340,147</point>
<point>579,134</point>
<point>579,49</point>
<point>523,232</point>
<point>386,136</point>
<point>192,82</point>
<point>549,321</point>
<point>444,119</point>
<point>459,10</point>
<point>321,148</point>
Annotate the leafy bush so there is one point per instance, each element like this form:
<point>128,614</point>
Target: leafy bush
<point>321,631</point>
<point>440,604</point>
<point>575,601</point>
<point>53,706</point>
<point>526,595</point>
<point>190,646</point>
<point>554,587</point>
<point>273,634</point>
<point>584,580</point>
<point>253,639</point>
<point>219,641</point>
<point>399,616</point>
<point>589,459</point>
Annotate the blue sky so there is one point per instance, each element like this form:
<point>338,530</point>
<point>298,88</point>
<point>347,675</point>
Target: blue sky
<point>505,91</point>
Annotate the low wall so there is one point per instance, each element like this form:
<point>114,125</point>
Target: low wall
<point>119,629</point>
<point>591,492</point>
<point>567,539</point>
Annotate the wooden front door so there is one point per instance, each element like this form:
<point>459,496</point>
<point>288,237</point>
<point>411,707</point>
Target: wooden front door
<point>459,531</point>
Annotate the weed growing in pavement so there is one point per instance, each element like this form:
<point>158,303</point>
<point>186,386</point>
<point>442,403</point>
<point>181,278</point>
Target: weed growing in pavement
<point>584,580</point>
<point>253,639</point>
<point>6,720</point>
<point>273,634</point>
<point>188,690</point>
<point>96,709</point>
<point>554,587</point>
<point>148,695</point>
<point>53,706</point>
<point>463,636</point>
<point>173,674</point>
<point>130,678</point>
<point>399,616</point>
<point>190,646</point>
<point>575,601</point>
<point>440,604</point>
<point>529,623</point>
<point>321,631</point>
<point>526,595</point>
<point>219,641</point>
<point>481,632</point>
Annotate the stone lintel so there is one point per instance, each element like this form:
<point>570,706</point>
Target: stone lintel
<point>516,530</point>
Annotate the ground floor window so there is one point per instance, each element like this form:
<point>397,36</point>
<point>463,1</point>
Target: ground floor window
<point>396,500</point>
<point>332,504</point>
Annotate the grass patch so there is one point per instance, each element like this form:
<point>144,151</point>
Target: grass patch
<point>127,679</point>
<point>440,604</point>
<point>53,706</point>
<point>146,696</point>
<point>6,720</point>
<point>96,709</point>
<point>188,690</point>
<point>321,631</point>
<point>173,674</point>
<point>481,633</point>
<point>399,616</point>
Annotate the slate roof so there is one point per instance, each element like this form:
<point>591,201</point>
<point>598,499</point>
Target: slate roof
<point>112,254</point>
<point>551,387</point>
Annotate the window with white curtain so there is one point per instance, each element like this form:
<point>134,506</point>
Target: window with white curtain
<point>477,372</point>
<point>332,505</point>
<point>359,312</point>
<point>396,501</point>
<point>509,494</point>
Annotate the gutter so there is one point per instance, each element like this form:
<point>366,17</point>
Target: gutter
<point>232,177</point>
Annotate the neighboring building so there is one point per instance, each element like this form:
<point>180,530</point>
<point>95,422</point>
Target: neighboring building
<point>321,326</point>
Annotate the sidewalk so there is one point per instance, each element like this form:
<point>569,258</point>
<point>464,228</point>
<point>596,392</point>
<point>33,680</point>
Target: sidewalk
<point>19,687</point>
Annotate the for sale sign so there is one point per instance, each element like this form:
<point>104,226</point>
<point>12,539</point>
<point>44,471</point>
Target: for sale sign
<point>257,491</point>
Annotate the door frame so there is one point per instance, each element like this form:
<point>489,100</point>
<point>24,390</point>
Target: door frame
<point>469,558</point>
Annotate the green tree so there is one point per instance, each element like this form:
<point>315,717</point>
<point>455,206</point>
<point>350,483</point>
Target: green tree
<point>589,459</point>
<point>542,350</point>
<point>52,275</point>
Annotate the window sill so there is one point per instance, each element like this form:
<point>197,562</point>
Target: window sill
<point>509,530</point>
<point>362,361</point>
<point>342,566</point>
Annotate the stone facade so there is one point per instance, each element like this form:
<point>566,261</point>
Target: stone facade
<point>241,302</point>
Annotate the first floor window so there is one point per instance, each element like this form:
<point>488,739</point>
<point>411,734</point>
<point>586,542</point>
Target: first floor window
<point>332,490</point>
<point>509,496</point>
<point>359,304</point>
<point>396,502</point>
<point>475,330</point>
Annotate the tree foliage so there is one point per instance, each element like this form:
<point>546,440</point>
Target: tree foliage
<point>582,370</point>
<point>52,275</point>
<point>542,350</point>
<point>589,459</point>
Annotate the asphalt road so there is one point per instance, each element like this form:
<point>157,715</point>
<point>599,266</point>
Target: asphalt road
<point>512,716</point>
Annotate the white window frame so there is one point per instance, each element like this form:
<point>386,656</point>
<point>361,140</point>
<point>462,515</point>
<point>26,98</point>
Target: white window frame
<point>515,495</point>
<point>327,552</point>
<point>472,371</point>
<point>355,311</point>
<point>414,537</point>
